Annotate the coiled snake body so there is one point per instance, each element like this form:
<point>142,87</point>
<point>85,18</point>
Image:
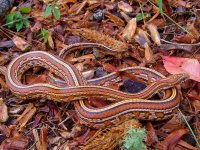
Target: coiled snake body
<point>126,105</point>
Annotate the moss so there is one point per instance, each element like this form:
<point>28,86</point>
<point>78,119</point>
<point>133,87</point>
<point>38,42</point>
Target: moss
<point>134,139</point>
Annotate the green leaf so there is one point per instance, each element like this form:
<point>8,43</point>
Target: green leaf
<point>19,25</point>
<point>140,17</point>
<point>18,15</point>
<point>159,3</point>
<point>25,9</point>
<point>48,10</point>
<point>56,13</point>
<point>26,22</point>
<point>10,19</point>
<point>45,35</point>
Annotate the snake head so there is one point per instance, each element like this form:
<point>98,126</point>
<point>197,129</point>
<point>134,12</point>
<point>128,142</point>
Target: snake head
<point>177,78</point>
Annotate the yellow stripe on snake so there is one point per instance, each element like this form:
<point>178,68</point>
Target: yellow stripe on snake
<point>76,89</point>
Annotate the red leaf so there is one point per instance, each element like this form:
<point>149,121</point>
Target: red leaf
<point>175,65</point>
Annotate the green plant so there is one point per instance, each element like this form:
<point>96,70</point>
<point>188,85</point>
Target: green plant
<point>159,3</point>
<point>52,8</point>
<point>18,20</point>
<point>134,139</point>
<point>45,35</point>
<point>141,16</point>
<point>195,138</point>
<point>47,38</point>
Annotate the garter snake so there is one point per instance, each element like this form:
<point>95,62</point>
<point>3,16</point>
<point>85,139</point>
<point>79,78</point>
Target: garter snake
<point>126,105</point>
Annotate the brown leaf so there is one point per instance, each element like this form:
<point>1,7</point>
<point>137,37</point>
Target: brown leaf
<point>130,62</point>
<point>37,139</point>
<point>87,135</point>
<point>37,26</point>
<point>130,29</point>
<point>109,68</point>
<point>2,79</point>
<point>186,145</point>
<point>5,130</point>
<point>154,33</point>
<point>175,123</point>
<point>26,116</point>
<point>172,139</point>
<point>4,59</point>
<point>141,37</point>
<point>66,134</point>
<point>125,7</point>
<point>191,28</point>
<point>188,39</point>
<point>88,74</point>
<point>151,134</point>
<point>159,22</point>
<point>50,41</point>
<point>16,109</point>
<point>82,5</point>
<point>3,111</point>
<point>38,117</point>
<point>43,137</point>
<point>21,43</point>
<point>118,21</point>
<point>148,53</point>
<point>38,79</point>
<point>196,105</point>
<point>17,142</point>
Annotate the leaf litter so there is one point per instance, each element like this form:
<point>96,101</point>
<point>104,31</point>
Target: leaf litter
<point>166,40</point>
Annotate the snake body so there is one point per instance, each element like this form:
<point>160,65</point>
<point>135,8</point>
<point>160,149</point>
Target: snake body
<point>126,105</point>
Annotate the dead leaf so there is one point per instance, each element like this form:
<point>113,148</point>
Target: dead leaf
<point>130,29</point>
<point>21,43</point>
<point>172,139</point>
<point>38,117</point>
<point>88,74</point>
<point>141,37</point>
<point>83,4</point>
<point>196,105</point>
<point>175,65</point>
<point>188,39</point>
<point>5,130</point>
<point>175,123</point>
<point>193,30</point>
<point>148,53</point>
<point>26,116</point>
<point>154,33</point>
<point>87,135</point>
<point>3,111</point>
<point>151,134</point>
<point>6,44</point>
<point>125,7</point>
<point>37,26</point>
<point>18,142</point>
<point>50,41</point>
<point>118,21</point>
<point>43,137</point>
<point>36,79</point>
<point>37,139</point>
<point>186,145</point>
